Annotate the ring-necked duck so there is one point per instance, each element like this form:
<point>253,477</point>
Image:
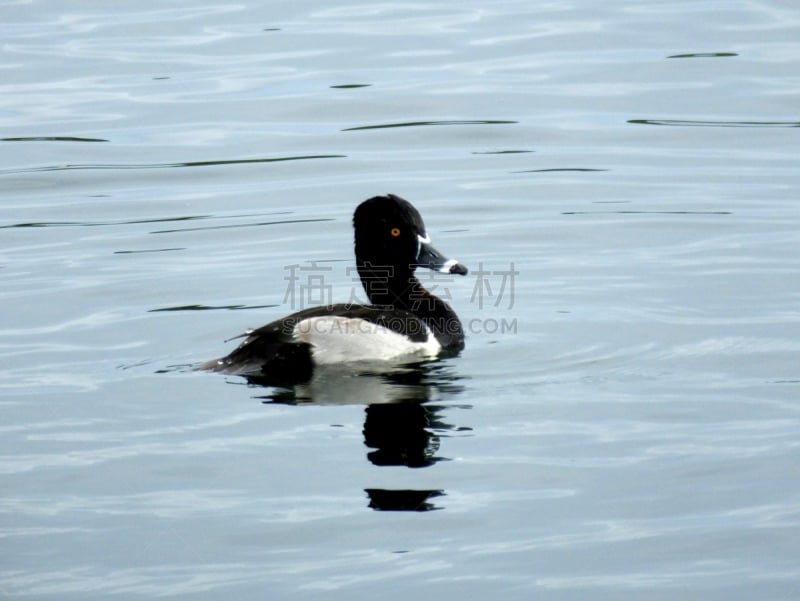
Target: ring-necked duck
<point>403,320</point>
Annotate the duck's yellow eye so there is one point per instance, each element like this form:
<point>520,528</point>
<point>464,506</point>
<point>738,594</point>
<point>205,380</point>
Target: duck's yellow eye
<point>395,232</point>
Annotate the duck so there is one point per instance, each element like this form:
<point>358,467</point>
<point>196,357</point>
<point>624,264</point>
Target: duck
<point>403,321</point>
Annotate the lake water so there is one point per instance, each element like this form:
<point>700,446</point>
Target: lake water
<point>622,180</point>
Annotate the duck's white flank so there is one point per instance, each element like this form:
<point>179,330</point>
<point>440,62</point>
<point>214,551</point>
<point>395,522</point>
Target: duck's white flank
<point>336,339</point>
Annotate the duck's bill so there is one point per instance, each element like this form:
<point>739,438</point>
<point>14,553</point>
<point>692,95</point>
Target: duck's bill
<point>431,258</point>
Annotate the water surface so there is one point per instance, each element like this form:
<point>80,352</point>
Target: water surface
<point>621,181</point>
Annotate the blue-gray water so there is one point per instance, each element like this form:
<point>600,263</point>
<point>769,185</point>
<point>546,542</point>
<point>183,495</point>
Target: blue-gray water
<point>623,424</point>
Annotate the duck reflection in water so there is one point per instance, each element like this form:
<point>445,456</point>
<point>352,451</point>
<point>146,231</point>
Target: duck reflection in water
<point>403,425</point>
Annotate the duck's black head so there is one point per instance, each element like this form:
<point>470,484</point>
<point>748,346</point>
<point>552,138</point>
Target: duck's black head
<point>390,236</point>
